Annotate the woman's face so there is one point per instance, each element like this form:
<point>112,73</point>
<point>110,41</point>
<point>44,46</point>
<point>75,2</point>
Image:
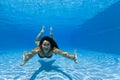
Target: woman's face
<point>46,46</point>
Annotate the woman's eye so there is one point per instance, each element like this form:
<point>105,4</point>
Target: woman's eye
<point>44,44</point>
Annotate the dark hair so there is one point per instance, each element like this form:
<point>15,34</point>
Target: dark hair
<point>52,42</point>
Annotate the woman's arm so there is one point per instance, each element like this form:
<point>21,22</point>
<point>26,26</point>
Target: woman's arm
<point>26,56</point>
<point>66,54</point>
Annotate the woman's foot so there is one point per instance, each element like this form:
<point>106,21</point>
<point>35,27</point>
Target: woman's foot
<point>51,31</point>
<point>43,29</point>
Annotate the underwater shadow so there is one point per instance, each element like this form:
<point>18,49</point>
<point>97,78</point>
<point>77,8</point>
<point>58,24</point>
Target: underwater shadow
<point>47,66</point>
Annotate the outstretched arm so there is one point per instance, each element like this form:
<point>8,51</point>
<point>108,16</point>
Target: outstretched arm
<point>66,54</point>
<point>26,56</point>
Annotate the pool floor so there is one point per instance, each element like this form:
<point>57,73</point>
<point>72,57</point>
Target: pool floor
<point>92,66</point>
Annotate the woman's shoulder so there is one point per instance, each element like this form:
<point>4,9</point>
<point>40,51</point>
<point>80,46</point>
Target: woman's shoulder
<point>37,49</point>
<point>55,49</point>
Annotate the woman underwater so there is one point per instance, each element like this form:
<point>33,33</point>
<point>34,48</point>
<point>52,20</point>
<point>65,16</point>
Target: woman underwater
<point>46,46</point>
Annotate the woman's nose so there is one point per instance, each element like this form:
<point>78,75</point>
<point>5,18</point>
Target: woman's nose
<point>46,46</point>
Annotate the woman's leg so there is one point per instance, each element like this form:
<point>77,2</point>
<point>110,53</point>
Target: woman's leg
<point>51,33</point>
<point>37,41</point>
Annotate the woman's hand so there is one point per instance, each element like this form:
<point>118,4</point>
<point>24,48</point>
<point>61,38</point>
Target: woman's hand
<point>24,58</point>
<point>75,57</point>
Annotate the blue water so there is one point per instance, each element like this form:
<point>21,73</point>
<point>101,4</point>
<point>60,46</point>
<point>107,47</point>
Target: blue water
<point>92,27</point>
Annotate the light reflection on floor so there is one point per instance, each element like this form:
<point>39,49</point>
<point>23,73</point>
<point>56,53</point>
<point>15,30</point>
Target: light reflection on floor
<point>91,66</point>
